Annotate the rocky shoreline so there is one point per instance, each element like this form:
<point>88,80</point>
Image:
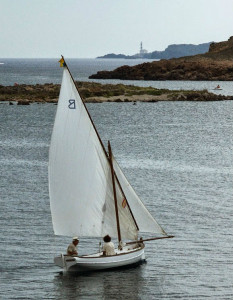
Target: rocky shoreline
<point>92,92</point>
<point>172,70</point>
<point>217,64</point>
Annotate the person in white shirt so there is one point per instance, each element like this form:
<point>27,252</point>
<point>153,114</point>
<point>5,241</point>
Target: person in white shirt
<point>108,247</point>
<point>72,248</point>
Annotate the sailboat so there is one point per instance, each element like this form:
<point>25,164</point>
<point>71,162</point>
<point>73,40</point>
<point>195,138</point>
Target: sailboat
<point>89,194</point>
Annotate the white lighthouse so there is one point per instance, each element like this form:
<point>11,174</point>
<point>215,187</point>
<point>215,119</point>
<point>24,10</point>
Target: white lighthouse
<point>142,51</point>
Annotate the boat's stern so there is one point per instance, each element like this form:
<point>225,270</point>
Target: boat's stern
<point>64,261</point>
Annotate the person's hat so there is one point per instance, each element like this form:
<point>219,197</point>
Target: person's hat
<point>75,238</point>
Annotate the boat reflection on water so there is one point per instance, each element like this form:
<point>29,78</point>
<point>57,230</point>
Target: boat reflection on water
<point>125,283</point>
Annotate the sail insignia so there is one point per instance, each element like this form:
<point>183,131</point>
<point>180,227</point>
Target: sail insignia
<point>72,104</point>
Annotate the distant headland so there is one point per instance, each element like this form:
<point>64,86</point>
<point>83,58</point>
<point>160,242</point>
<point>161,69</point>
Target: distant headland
<point>172,51</point>
<point>216,64</point>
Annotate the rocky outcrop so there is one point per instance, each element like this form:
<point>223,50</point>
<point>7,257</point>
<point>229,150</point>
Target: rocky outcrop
<point>97,93</point>
<point>23,102</point>
<point>222,46</point>
<point>25,94</point>
<point>113,55</point>
<point>171,70</point>
<point>217,64</point>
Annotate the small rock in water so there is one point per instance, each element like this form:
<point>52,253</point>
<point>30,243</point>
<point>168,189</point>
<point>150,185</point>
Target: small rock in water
<point>23,102</point>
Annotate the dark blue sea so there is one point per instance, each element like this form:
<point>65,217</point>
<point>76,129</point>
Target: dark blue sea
<point>178,156</point>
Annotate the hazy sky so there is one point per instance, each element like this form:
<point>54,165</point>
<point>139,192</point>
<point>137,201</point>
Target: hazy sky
<point>89,28</point>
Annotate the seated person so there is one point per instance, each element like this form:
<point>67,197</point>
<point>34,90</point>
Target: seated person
<point>72,248</point>
<point>108,247</point>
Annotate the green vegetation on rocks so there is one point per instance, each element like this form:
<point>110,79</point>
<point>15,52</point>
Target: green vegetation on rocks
<point>96,92</point>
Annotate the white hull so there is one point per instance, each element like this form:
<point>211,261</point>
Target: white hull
<point>97,262</point>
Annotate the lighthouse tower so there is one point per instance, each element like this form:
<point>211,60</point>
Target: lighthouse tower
<point>142,51</point>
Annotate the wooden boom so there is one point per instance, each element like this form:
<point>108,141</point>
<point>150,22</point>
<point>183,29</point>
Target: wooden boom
<point>151,239</point>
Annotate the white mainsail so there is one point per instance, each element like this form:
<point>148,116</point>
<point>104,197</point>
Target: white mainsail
<point>80,182</point>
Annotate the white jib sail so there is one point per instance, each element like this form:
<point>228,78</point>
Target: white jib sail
<point>144,219</point>
<point>80,182</point>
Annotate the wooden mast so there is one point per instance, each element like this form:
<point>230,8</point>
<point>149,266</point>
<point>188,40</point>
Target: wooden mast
<point>114,193</point>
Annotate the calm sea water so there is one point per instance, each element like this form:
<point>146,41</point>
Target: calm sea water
<point>33,71</point>
<point>178,157</point>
